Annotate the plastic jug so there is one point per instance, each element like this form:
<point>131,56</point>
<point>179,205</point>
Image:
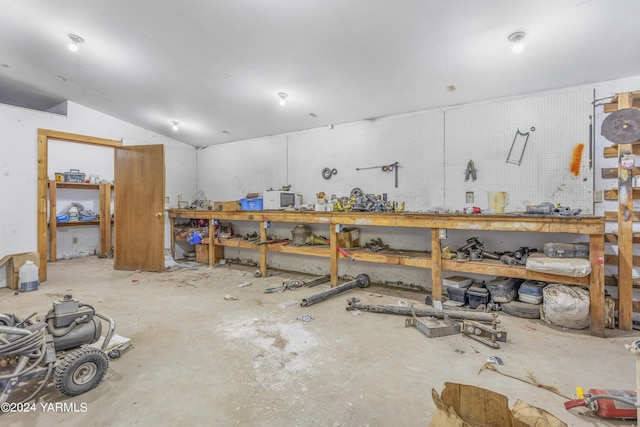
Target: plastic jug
<point>498,200</point>
<point>28,275</point>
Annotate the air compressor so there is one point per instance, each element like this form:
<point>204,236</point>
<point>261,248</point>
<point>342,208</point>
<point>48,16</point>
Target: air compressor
<point>57,346</point>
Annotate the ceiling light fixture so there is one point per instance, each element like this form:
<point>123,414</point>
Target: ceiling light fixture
<point>75,42</point>
<point>516,39</point>
<point>283,96</point>
<point>175,125</point>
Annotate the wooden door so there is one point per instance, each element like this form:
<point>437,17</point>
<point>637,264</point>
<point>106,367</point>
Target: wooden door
<point>139,208</point>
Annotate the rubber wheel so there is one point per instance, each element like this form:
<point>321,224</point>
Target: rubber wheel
<point>80,371</point>
<point>364,280</point>
<point>522,309</point>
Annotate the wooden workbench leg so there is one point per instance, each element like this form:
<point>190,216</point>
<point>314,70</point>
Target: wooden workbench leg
<point>53,223</point>
<point>333,254</point>
<point>172,228</point>
<point>263,249</point>
<point>436,265</point>
<point>625,228</point>
<point>105,220</point>
<point>596,285</point>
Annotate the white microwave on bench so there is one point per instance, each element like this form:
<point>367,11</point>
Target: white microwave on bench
<point>273,200</point>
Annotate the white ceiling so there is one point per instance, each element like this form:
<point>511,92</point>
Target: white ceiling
<point>217,65</point>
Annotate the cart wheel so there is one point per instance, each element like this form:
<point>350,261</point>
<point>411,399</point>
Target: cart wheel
<point>363,280</point>
<point>81,370</point>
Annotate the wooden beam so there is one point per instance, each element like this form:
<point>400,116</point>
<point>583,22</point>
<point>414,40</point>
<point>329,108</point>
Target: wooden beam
<point>614,259</point>
<point>42,206</point>
<point>81,139</point>
<point>613,193</point>
<point>612,106</point>
<point>105,220</point>
<point>613,172</point>
<point>263,249</point>
<point>613,237</point>
<point>612,216</point>
<point>613,281</point>
<point>333,254</point>
<point>611,152</point>
<point>53,221</point>
<point>625,228</point>
<point>436,265</point>
<point>596,285</point>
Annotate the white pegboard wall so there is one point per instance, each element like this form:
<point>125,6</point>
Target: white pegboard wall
<point>412,140</point>
<point>485,132</point>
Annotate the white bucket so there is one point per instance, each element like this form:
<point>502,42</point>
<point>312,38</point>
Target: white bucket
<point>28,275</point>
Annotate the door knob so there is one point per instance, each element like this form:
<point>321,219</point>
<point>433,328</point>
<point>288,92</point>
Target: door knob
<point>159,214</point>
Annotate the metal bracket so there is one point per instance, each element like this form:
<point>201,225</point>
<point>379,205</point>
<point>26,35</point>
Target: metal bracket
<point>488,335</point>
<point>451,327</point>
<point>516,152</point>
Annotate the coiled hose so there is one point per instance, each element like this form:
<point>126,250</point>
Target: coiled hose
<point>26,344</point>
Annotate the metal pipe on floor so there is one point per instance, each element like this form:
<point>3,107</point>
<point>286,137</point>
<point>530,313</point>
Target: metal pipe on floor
<point>361,281</point>
<point>422,312</point>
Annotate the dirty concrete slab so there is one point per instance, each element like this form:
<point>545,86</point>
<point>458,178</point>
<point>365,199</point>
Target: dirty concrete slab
<point>201,359</point>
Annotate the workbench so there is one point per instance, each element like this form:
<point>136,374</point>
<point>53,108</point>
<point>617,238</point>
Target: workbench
<point>432,224</point>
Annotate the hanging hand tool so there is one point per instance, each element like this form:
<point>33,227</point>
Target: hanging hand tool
<point>470,171</point>
<point>385,168</point>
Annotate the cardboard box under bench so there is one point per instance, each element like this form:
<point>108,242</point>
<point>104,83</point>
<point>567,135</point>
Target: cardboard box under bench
<point>232,206</point>
<point>349,237</point>
<point>13,264</point>
<point>202,253</point>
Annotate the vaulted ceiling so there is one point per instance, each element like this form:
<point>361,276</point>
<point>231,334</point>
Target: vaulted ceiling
<point>217,67</point>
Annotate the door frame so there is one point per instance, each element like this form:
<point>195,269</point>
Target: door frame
<point>44,135</point>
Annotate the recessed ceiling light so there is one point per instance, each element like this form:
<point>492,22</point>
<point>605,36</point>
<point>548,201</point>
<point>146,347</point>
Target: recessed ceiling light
<point>4,65</point>
<point>283,97</point>
<point>312,114</point>
<point>76,41</point>
<point>451,88</point>
<point>61,78</point>
<point>175,124</point>
<point>226,131</point>
<point>516,38</point>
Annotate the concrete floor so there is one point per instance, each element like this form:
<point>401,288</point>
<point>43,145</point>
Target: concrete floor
<point>199,359</point>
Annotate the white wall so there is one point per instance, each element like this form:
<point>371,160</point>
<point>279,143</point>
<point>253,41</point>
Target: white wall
<point>432,148</point>
<point>18,170</point>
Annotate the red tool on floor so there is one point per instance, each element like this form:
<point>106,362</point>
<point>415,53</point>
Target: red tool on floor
<point>606,403</point>
<point>620,404</point>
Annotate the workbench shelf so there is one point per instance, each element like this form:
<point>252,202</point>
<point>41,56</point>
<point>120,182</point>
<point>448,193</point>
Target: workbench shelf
<point>431,224</point>
<point>497,268</point>
<point>105,222</point>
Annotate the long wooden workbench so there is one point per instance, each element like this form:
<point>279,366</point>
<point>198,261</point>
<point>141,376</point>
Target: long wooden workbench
<point>591,226</point>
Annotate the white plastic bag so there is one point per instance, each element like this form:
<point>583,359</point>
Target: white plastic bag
<point>566,306</point>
